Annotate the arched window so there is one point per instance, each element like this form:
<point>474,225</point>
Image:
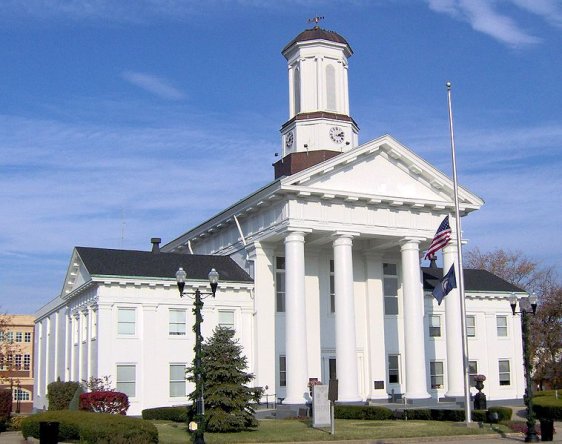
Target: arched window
<point>21,395</point>
<point>331,88</point>
<point>297,89</point>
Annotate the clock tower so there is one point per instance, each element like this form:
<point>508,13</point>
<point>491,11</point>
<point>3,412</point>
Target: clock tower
<point>319,125</point>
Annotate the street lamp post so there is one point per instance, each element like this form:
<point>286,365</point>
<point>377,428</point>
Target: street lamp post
<point>531,435</point>
<point>181,275</point>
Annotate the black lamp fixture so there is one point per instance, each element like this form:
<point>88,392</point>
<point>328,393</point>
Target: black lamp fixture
<point>198,426</point>
<point>526,309</point>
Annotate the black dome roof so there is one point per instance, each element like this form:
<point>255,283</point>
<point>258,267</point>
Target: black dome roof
<point>317,33</point>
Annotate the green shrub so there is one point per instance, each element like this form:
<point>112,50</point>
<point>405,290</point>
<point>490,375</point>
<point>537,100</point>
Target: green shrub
<point>540,393</point>
<point>420,414</point>
<point>15,422</point>
<point>504,413</point>
<point>60,394</point>
<point>477,415</point>
<point>89,427</point>
<point>362,412</point>
<point>548,407</point>
<point>175,414</point>
<point>447,415</point>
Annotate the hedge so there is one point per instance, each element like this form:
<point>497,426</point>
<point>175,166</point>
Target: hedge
<point>362,412</point>
<point>175,414</point>
<point>92,428</point>
<point>61,393</point>
<point>421,414</point>
<point>548,407</point>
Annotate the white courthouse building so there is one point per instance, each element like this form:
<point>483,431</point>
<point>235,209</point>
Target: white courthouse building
<point>321,275</point>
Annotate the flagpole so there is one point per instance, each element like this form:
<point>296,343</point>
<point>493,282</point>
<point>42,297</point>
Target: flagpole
<point>460,274</point>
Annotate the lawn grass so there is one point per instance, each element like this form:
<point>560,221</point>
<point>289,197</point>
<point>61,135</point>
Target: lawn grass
<point>271,430</point>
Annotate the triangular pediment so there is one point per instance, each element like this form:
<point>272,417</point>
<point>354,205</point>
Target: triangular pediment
<point>76,275</point>
<point>381,169</point>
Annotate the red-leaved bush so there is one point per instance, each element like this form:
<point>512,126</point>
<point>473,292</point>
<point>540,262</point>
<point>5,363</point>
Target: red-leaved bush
<point>105,402</point>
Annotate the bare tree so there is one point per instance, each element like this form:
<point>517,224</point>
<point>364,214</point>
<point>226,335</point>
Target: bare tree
<point>546,326</point>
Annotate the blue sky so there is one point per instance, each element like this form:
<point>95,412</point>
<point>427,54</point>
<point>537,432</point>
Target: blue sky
<point>126,120</point>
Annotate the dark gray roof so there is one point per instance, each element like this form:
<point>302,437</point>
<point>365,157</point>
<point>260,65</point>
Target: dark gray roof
<point>131,263</point>
<point>474,280</point>
<point>317,33</point>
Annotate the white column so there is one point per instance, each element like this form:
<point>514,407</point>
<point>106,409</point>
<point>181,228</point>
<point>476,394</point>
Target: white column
<point>416,382</point>
<point>346,350</point>
<point>295,320</point>
<point>375,325</point>
<point>264,320</point>
<point>453,332</point>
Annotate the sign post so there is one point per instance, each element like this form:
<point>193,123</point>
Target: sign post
<point>333,397</point>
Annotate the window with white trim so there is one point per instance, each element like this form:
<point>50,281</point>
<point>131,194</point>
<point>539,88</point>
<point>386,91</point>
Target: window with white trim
<point>390,284</point>
<point>393,369</point>
<point>94,324</point>
<point>504,372</point>
<point>74,330</point>
<point>332,288</point>
<point>84,327</point>
<point>226,319</point>
<point>280,284</point>
<point>126,320</point>
<point>19,336</point>
<point>21,395</point>
<point>501,325</point>
<point>177,380</point>
<point>27,362</point>
<point>18,362</point>
<point>436,373</point>
<point>177,324</point>
<point>27,336</point>
<point>126,379</point>
<point>282,371</point>
<point>471,326</point>
<point>435,326</point>
<point>472,372</point>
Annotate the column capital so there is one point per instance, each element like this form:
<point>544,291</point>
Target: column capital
<point>410,243</point>
<point>258,248</point>
<point>348,234</point>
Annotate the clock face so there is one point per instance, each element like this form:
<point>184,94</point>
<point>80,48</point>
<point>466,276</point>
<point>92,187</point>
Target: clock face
<point>337,134</point>
<point>289,140</point>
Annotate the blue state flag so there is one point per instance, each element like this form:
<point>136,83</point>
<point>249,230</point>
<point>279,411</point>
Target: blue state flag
<point>445,285</point>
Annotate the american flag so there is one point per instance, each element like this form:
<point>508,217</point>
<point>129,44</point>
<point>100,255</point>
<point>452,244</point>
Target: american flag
<point>440,239</point>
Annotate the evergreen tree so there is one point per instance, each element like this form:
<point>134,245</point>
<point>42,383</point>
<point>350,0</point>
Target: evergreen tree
<point>227,396</point>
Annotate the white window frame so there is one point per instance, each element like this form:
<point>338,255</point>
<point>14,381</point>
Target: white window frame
<point>224,322</point>
<point>434,330</point>
<point>280,283</point>
<point>472,372</point>
<point>27,336</point>
<point>395,369</point>
<point>435,376</point>
<point>500,373</point>
<point>173,324</point>
<point>282,371</point>
<point>123,325</point>
<point>119,382</point>
<point>502,330</point>
<point>471,329</point>
<point>387,277</point>
<point>27,362</point>
<point>94,325</point>
<point>19,336</point>
<point>177,382</point>
<point>332,286</point>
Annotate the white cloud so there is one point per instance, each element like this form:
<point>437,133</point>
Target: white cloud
<point>484,17</point>
<point>549,10</point>
<point>154,85</point>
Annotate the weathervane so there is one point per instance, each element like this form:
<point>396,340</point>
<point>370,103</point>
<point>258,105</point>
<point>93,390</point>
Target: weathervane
<point>315,20</point>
